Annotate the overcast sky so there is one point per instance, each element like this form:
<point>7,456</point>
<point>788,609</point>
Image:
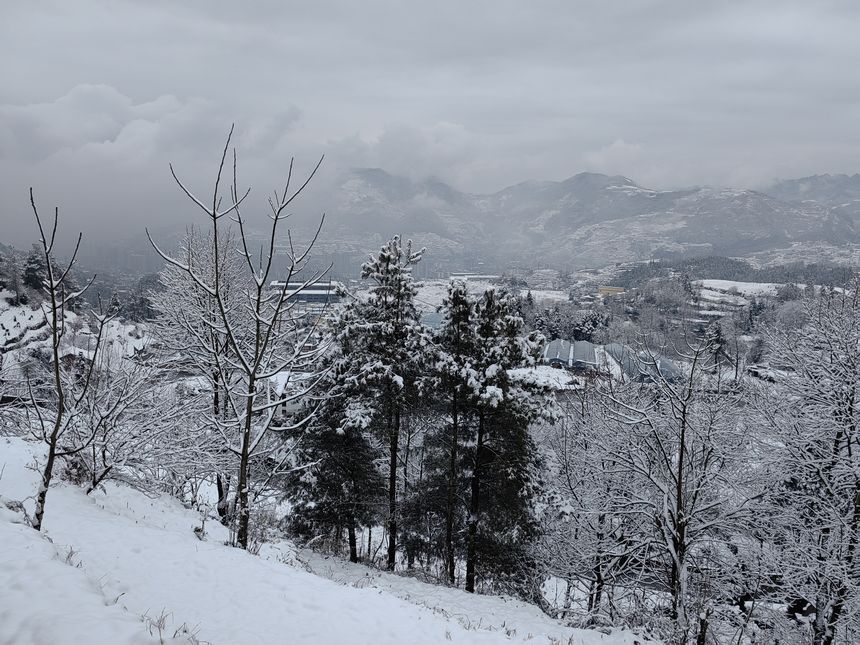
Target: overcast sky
<point>98,95</point>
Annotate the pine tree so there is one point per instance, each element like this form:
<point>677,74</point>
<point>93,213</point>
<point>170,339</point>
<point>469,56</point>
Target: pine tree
<point>388,346</point>
<point>342,488</point>
<point>716,341</point>
<point>13,279</point>
<point>4,271</point>
<point>35,270</point>
<point>456,343</point>
<point>500,522</point>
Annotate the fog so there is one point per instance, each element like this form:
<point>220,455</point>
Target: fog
<point>98,97</point>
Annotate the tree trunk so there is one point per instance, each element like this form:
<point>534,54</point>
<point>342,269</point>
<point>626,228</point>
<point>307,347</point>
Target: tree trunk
<point>474,509</point>
<point>54,438</point>
<point>45,483</point>
<point>223,507</point>
<point>702,636</point>
<point>829,623</point>
<point>242,505</point>
<point>393,437</point>
<point>452,490</point>
<point>353,544</point>
<point>679,539</point>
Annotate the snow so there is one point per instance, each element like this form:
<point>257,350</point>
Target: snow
<point>431,293</point>
<point>719,297</point>
<point>547,295</point>
<point>40,592</point>
<point>608,364</point>
<point>545,376</point>
<point>749,289</point>
<point>134,556</point>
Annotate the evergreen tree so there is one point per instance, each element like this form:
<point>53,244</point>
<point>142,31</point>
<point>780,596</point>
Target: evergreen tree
<point>456,343</point>
<point>4,271</point>
<point>501,523</point>
<point>35,270</point>
<point>342,489</point>
<point>13,283</point>
<point>716,341</point>
<point>387,349</point>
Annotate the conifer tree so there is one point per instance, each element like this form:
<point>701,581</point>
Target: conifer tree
<point>456,343</point>
<point>342,487</point>
<point>34,272</point>
<point>501,482</point>
<point>387,346</point>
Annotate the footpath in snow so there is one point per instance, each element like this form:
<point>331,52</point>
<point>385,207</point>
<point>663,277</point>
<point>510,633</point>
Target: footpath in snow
<point>120,567</point>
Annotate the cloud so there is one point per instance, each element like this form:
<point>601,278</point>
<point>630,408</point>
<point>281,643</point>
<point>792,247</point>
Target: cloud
<point>618,157</point>
<point>480,94</point>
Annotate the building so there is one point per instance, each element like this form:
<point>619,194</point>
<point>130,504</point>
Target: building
<point>610,291</point>
<point>578,355</point>
<point>609,361</point>
<point>642,366</point>
<point>311,298</point>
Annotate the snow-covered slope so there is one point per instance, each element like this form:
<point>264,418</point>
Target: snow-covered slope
<point>137,572</point>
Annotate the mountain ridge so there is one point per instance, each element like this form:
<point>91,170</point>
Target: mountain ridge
<point>590,218</point>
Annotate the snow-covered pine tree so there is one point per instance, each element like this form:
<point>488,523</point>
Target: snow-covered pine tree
<point>388,348</point>
<point>341,486</point>
<point>13,279</point>
<point>456,344</point>
<point>502,479</point>
<point>34,273</point>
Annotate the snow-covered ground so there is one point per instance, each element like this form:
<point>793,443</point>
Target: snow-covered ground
<point>749,289</point>
<point>120,567</point>
<point>721,298</point>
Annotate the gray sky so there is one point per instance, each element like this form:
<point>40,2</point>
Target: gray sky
<point>98,95</point>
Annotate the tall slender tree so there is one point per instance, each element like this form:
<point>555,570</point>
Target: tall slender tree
<point>388,346</point>
<point>503,455</point>
<point>269,336</point>
<point>57,414</point>
<point>456,344</point>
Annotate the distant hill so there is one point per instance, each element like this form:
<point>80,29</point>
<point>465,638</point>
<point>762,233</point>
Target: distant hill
<point>592,219</point>
<point>832,190</point>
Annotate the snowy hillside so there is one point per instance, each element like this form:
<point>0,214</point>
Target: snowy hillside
<point>577,220</point>
<point>120,567</point>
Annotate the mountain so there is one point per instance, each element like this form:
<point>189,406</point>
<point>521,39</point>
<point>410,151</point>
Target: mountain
<point>592,218</point>
<point>833,190</point>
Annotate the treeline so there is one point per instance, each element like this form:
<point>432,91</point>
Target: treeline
<point>723,268</point>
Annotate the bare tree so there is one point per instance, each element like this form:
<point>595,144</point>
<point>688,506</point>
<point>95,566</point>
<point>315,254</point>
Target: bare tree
<point>678,441</point>
<point>812,460</point>
<point>191,339</point>
<point>133,420</point>
<point>58,418</point>
<point>267,336</point>
<point>589,539</point>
